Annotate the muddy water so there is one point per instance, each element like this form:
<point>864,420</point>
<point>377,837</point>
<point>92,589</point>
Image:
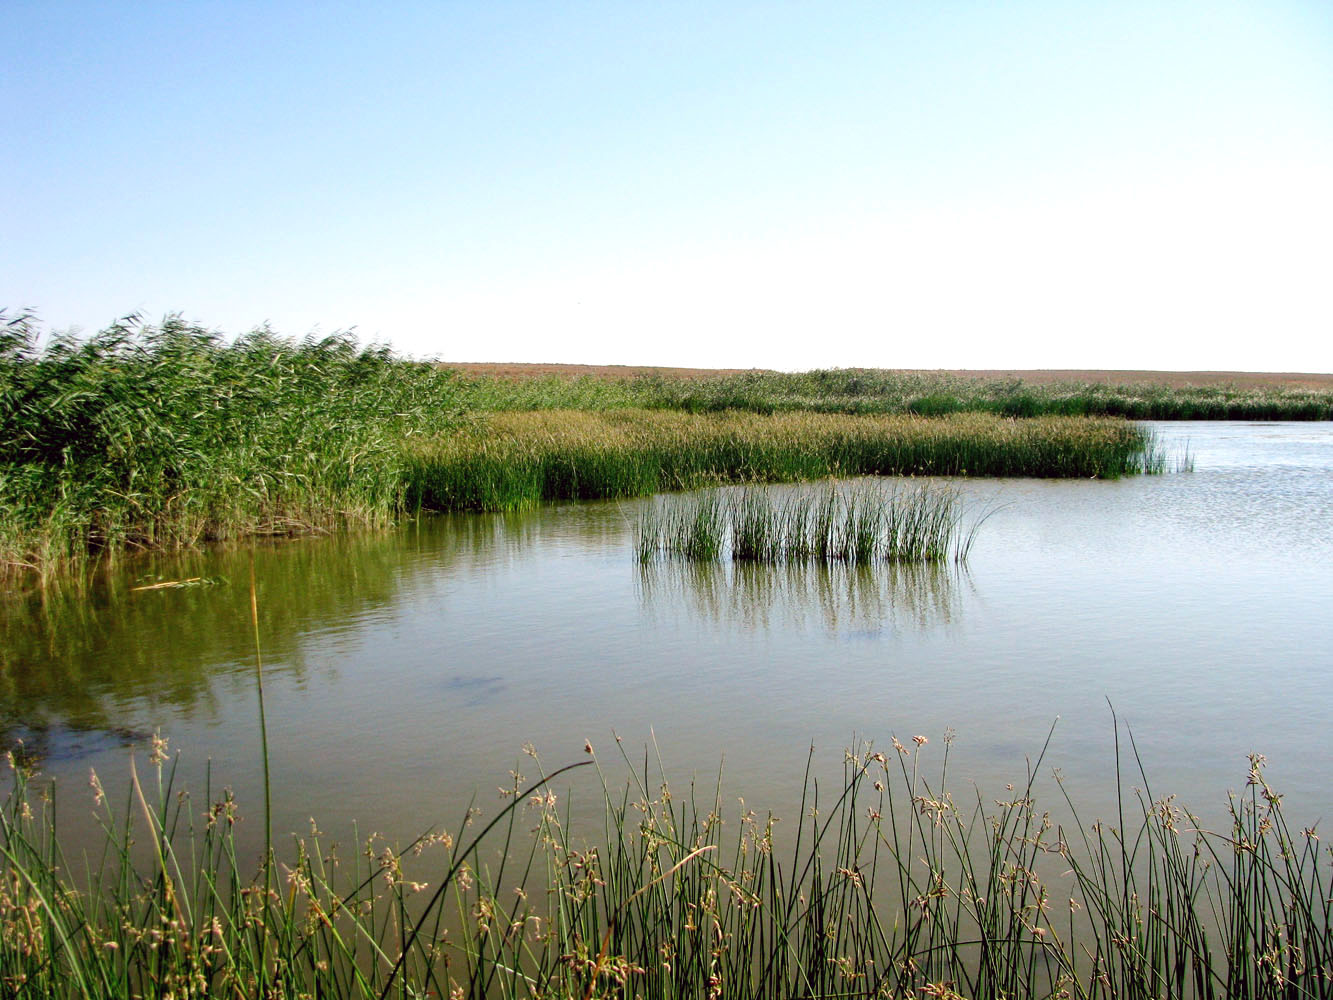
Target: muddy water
<point>404,671</point>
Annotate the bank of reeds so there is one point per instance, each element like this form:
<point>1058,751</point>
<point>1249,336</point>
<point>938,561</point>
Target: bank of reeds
<point>508,461</point>
<point>857,525</point>
<point>166,436</point>
<point>888,884</point>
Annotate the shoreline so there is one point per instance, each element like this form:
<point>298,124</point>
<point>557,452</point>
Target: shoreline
<point>1036,376</point>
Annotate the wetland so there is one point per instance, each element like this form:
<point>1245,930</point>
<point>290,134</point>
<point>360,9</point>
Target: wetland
<point>1106,636</point>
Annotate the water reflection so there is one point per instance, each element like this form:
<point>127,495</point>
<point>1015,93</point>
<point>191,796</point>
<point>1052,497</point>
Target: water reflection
<point>851,602</point>
<point>408,667</point>
<point>81,661</point>
<point>82,667</point>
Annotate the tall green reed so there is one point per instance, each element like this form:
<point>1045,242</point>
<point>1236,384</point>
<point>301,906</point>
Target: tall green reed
<point>166,436</point>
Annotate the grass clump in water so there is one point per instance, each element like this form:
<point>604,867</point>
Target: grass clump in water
<point>857,525</point>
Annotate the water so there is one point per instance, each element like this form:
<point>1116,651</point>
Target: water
<point>405,671</point>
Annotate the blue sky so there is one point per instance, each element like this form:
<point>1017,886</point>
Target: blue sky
<point>1113,185</point>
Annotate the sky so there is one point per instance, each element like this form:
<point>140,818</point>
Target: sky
<point>908,185</point>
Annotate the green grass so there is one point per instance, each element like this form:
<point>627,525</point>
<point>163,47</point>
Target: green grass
<point>167,437</point>
<point>894,882</point>
<point>856,525</point>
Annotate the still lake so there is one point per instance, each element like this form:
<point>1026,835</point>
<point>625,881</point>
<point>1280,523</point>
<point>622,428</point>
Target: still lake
<point>405,670</point>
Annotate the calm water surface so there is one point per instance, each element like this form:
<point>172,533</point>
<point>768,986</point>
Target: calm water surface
<point>404,671</point>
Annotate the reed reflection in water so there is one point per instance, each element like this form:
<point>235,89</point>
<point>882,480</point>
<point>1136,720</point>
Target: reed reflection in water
<point>843,600</point>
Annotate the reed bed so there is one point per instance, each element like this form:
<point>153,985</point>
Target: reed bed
<point>858,525</point>
<point>509,461</point>
<point>882,885</point>
<point>166,437</point>
<point>146,437</point>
